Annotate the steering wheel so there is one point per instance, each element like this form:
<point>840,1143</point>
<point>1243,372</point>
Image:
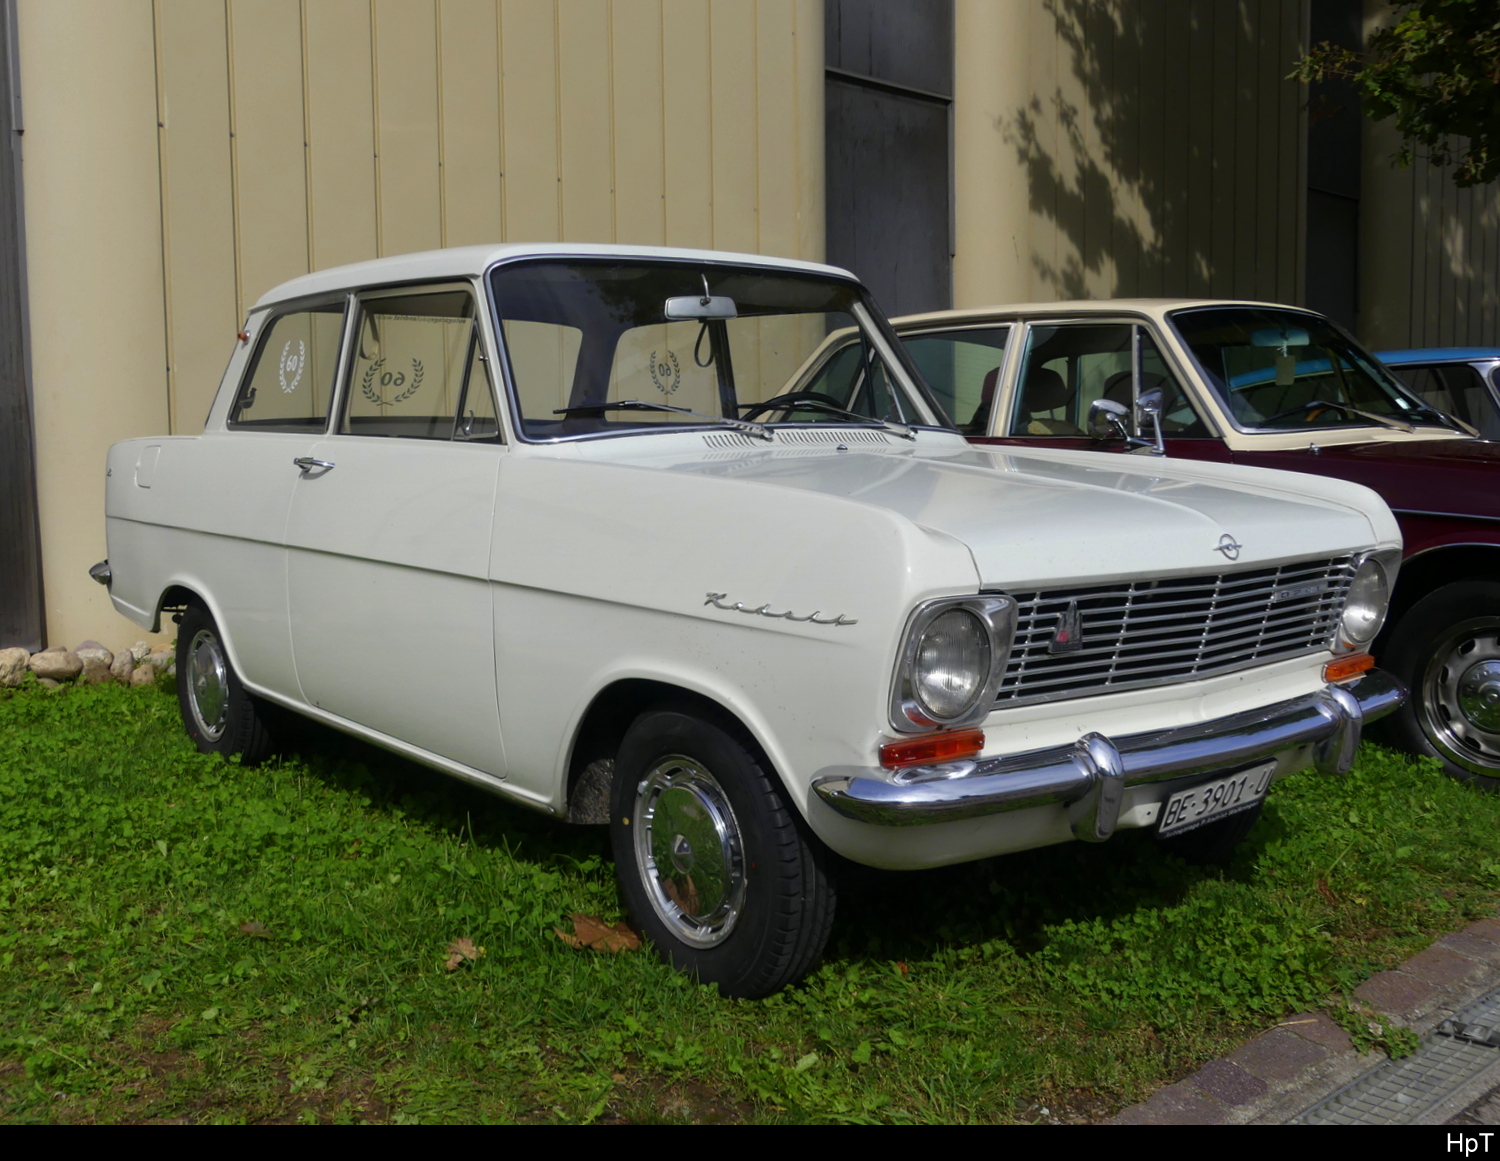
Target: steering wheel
<point>788,402</point>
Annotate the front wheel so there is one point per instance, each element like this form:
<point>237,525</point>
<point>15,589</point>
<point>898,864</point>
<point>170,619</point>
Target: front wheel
<point>1447,651</point>
<point>218,713</point>
<point>712,861</point>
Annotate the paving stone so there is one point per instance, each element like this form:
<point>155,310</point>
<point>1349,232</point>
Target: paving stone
<point>1485,929</point>
<point>1441,966</point>
<point>1395,993</point>
<point>1481,950</point>
<point>1228,1082</point>
<point>1177,1104</point>
<point>1277,1055</point>
<point>1318,1028</point>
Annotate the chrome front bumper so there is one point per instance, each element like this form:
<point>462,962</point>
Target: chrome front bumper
<point>1090,776</point>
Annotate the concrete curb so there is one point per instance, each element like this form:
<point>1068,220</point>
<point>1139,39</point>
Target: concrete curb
<point>1308,1057</point>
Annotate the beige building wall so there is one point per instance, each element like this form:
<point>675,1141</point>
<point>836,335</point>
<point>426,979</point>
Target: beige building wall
<point>1430,259</point>
<point>184,156</point>
<point>1108,148</point>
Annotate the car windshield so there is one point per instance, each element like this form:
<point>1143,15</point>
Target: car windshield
<point>1284,370</point>
<point>606,346</point>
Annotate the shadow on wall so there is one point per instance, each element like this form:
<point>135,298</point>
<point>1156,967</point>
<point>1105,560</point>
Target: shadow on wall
<point>1163,149</point>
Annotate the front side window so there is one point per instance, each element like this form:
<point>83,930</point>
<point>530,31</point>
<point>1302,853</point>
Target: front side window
<point>1068,366</point>
<point>963,370</point>
<point>1284,370</point>
<point>418,369</point>
<point>289,384</point>
<point>601,346</point>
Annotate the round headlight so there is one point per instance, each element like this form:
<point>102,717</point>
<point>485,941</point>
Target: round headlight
<point>1364,611</point>
<point>951,664</point>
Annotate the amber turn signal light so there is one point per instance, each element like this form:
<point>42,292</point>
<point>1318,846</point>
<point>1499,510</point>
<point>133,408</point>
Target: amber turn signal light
<point>1346,667</point>
<point>933,748</point>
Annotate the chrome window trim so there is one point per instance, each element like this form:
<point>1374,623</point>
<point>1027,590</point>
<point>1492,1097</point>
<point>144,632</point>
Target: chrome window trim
<point>997,612</point>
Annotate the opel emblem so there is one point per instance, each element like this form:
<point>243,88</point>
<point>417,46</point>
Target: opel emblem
<point>1068,636</point>
<point>1228,547</point>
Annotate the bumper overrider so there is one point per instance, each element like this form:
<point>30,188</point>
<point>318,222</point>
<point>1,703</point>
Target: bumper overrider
<point>1090,776</point>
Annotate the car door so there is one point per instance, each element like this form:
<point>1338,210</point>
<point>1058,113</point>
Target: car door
<point>247,475</point>
<point>389,533</point>
<point>1062,368</point>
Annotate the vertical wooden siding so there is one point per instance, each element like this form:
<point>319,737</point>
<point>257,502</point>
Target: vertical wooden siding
<point>1431,270</point>
<point>296,135</point>
<point>1160,143</point>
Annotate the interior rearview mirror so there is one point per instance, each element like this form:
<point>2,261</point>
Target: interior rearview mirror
<point>700,306</point>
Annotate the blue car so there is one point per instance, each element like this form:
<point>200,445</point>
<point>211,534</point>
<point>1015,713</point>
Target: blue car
<point>1463,382</point>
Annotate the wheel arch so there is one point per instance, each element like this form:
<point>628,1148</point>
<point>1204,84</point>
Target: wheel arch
<point>604,723</point>
<point>178,595</point>
<point>1432,568</point>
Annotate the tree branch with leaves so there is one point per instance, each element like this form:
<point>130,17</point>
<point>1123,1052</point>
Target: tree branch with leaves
<point>1437,71</point>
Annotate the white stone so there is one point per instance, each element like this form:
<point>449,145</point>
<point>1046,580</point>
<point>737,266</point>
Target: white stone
<point>14,664</point>
<point>93,651</point>
<point>56,664</point>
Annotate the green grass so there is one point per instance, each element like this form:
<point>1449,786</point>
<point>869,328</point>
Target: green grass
<point>184,939</point>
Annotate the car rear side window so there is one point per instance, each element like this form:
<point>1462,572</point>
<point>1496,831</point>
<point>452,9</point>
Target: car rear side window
<point>290,382</point>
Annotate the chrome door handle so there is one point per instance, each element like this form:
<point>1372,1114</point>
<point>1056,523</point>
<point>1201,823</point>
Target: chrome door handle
<point>307,463</point>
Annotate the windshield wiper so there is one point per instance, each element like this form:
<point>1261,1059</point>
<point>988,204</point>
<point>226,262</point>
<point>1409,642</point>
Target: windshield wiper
<point>1328,405</point>
<point>808,401</point>
<point>1449,420</point>
<point>759,430</point>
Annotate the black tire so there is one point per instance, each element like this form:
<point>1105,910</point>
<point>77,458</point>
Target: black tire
<point>1447,651</point>
<point>758,914</point>
<point>218,713</point>
<point>1215,843</point>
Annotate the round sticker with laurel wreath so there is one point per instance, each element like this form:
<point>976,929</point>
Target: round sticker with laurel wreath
<point>289,367</point>
<point>377,380</point>
<point>666,372</point>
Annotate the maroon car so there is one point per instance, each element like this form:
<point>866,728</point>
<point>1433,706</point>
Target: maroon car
<point>1268,386</point>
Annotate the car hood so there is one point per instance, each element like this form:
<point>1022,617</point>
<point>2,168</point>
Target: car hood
<point>1456,476</point>
<point>1059,517</point>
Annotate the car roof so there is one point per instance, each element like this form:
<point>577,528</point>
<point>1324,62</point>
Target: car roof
<point>468,261</point>
<point>1154,307</point>
<point>1439,355</point>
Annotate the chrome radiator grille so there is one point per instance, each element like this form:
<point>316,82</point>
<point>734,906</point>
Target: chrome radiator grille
<point>1150,632</point>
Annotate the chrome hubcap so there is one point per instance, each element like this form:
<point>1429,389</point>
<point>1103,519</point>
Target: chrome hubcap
<point>208,684</point>
<point>689,852</point>
<point>1479,695</point>
<point>1461,697</point>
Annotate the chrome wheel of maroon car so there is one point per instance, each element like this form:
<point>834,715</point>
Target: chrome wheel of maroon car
<point>1462,690</point>
<point>1447,648</point>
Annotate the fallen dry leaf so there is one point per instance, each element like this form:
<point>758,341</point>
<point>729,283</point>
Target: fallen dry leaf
<point>589,931</point>
<point>1326,892</point>
<point>255,927</point>
<point>460,950</point>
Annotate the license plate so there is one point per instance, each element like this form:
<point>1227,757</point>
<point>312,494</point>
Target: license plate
<point>1189,809</point>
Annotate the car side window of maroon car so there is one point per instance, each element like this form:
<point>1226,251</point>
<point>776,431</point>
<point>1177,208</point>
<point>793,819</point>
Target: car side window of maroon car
<point>1068,367</point>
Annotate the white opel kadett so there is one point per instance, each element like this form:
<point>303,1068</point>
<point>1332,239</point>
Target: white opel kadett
<point>741,626</point>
